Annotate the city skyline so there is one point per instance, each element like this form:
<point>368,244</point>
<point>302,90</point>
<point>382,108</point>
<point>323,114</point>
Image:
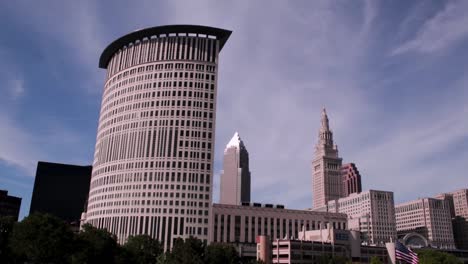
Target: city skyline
<point>397,109</point>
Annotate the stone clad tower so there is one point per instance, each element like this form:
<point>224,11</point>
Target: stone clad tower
<point>235,177</point>
<point>326,167</point>
<point>153,160</point>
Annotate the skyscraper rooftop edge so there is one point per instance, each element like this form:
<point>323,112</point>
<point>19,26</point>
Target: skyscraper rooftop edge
<point>221,34</point>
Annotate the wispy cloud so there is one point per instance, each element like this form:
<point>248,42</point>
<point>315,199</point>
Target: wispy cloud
<point>447,27</point>
<point>16,88</point>
<point>15,146</point>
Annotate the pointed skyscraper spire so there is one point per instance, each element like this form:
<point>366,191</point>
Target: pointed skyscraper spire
<point>326,172</point>
<point>235,141</point>
<point>325,125</point>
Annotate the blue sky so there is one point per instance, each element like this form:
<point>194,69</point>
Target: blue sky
<point>392,75</point>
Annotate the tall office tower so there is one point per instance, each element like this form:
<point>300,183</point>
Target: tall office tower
<point>152,170</point>
<point>61,190</point>
<point>428,217</point>
<point>351,179</point>
<point>235,177</point>
<point>9,205</point>
<point>326,167</point>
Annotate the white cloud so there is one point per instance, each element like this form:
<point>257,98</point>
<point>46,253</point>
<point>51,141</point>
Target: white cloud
<point>17,88</point>
<point>15,146</point>
<point>447,27</point>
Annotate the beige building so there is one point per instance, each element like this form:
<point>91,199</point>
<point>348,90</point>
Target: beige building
<point>371,212</point>
<point>458,201</point>
<point>235,176</point>
<point>243,223</point>
<point>428,217</point>
<point>314,246</point>
<point>327,183</point>
<point>153,160</point>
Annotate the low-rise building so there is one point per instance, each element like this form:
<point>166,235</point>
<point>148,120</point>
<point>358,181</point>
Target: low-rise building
<point>243,223</point>
<point>314,246</point>
<point>9,205</point>
<point>428,217</point>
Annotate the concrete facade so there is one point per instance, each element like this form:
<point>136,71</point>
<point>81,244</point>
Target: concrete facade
<point>371,212</point>
<point>458,201</point>
<point>153,160</point>
<point>428,217</point>
<point>242,224</point>
<point>327,182</point>
<point>9,205</point>
<point>351,179</point>
<point>314,246</point>
<point>235,177</point>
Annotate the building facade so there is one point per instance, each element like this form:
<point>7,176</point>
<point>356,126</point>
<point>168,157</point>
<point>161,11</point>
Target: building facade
<point>243,223</point>
<point>458,202</point>
<point>61,190</point>
<point>9,205</point>
<point>326,167</point>
<point>351,179</point>
<point>316,246</point>
<point>235,177</point>
<point>371,212</point>
<point>153,160</point>
<point>428,217</point>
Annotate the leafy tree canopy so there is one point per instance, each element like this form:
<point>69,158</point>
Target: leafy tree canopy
<point>41,238</point>
<point>221,254</point>
<point>430,256</point>
<point>143,249</point>
<point>95,245</point>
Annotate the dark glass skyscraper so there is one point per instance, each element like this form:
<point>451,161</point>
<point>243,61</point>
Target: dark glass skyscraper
<point>61,190</point>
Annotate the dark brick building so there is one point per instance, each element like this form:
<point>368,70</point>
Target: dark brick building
<point>9,205</point>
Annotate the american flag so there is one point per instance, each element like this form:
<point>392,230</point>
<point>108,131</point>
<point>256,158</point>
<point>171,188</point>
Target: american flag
<point>405,254</point>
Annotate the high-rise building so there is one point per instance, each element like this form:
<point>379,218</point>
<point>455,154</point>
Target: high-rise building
<point>428,217</point>
<point>458,201</point>
<point>370,212</point>
<point>326,167</point>
<point>9,205</point>
<point>61,190</point>
<point>153,160</point>
<point>235,177</point>
<point>351,179</point>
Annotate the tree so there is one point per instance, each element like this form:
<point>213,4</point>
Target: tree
<point>6,226</point>
<point>329,259</point>
<point>375,260</point>
<point>188,251</point>
<point>143,249</point>
<point>95,245</point>
<point>430,256</point>
<point>41,238</point>
<point>220,254</point>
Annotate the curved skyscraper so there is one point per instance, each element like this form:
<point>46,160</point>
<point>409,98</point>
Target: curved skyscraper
<point>153,160</point>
